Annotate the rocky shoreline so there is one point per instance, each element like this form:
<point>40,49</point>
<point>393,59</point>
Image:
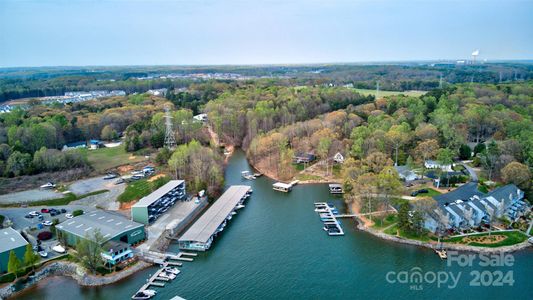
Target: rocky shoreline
<point>74,271</point>
<point>447,246</point>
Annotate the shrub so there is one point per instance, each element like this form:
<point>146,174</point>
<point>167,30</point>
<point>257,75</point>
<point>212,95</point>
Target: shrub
<point>77,212</point>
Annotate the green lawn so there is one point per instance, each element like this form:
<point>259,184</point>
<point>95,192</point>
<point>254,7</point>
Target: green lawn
<point>140,188</point>
<point>384,221</point>
<point>394,229</point>
<point>513,237</point>
<point>431,192</point>
<point>303,177</point>
<point>366,92</point>
<point>106,158</point>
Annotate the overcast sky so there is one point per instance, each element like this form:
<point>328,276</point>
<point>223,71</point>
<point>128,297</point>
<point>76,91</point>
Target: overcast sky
<point>184,32</point>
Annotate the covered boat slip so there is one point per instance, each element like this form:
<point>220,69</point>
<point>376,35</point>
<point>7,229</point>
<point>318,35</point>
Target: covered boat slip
<point>200,235</point>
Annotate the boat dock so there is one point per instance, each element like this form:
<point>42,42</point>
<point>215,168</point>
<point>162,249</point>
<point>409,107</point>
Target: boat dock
<point>328,215</point>
<point>166,260</point>
<point>335,188</point>
<point>201,234</point>
<point>284,187</point>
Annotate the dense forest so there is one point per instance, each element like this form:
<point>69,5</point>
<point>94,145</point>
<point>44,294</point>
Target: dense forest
<point>18,83</point>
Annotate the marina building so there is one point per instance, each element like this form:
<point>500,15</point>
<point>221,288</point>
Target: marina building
<point>201,234</point>
<point>112,226</point>
<point>10,239</point>
<point>149,208</point>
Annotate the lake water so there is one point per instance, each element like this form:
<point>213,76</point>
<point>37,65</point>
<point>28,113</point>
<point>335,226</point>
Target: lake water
<point>275,248</point>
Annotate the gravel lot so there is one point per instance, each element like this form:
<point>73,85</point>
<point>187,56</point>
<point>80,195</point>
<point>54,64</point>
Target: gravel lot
<point>29,196</point>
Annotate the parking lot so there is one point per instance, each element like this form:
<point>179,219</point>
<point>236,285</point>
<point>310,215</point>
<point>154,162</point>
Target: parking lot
<point>16,215</point>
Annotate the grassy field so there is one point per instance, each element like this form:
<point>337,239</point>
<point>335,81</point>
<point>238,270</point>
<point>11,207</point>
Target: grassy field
<point>140,188</point>
<point>512,238</point>
<point>394,229</point>
<point>106,158</point>
<point>366,92</point>
<point>431,192</point>
<point>384,221</point>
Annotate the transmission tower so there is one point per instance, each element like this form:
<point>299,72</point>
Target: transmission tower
<point>440,82</point>
<point>377,90</point>
<point>170,139</point>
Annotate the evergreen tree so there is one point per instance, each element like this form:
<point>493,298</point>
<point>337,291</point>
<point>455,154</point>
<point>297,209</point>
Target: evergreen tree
<point>30,258</point>
<point>13,264</point>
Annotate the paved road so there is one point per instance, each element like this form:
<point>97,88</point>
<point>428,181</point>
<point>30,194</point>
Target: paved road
<point>473,175</point>
<point>89,185</point>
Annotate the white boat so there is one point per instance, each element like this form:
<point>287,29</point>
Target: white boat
<point>321,210</point>
<point>59,249</point>
<point>48,185</point>
<point>239,206</point>
<point>167,275</point>
<point>141,296</point>
<point>172,270</point>
<point>150,292</point>
<point>233,213</point>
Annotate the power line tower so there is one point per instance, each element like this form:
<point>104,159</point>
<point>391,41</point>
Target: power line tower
<point>377,90</point>
<point>170,138</point>
<point>440,82</point>
<point>500,77</point>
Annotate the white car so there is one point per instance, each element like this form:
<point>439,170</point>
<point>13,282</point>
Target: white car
<point>48,185</point>
<point>43,253</point>
<point>33,213</point>
<point>47,223</point>
<point>69,216</point>
<point>59,249</point>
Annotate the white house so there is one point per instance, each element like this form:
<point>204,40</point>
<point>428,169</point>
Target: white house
<point>431,164</point>
<point>200,118</point>
<point>338,158</point>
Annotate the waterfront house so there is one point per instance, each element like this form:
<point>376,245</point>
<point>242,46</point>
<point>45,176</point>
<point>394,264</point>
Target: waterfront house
<point>468,207</point>
<point>115,252</point>
<point>303,157</point>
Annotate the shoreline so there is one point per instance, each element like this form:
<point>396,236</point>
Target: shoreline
<point>432,245</point>
<point>74,271</point>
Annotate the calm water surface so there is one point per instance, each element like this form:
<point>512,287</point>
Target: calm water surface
<point>275,248</point>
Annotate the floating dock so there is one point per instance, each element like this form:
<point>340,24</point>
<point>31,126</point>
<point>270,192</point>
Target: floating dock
<point>201,234</point>
<point>328,213</point>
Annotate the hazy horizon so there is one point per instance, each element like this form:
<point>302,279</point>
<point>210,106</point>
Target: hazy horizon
<point>206,33</point>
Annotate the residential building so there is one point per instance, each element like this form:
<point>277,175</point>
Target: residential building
<point>468,207</point>
<point>303,157</point>
<point>116,252</point>
<point>406,174</point>
<point>338,158</point>
<point>10,239</point>
<point>432,164</point>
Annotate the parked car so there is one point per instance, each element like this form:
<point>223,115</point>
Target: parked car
<point>119,181</point>
<point>69,216</point>
<point>63,210</point>
<point>28,216</point>
<point>33,213</point>
<point>47,223</point>
<point>44,235</point>
<point>40,217</point>
<point>45,210</point>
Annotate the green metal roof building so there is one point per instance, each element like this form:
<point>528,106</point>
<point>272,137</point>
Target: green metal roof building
<point>10,239</point>
<point>146,210</point>
<point>112,226</point>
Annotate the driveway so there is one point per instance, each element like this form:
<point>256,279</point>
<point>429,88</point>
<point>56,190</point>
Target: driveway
<point>473,175</point>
